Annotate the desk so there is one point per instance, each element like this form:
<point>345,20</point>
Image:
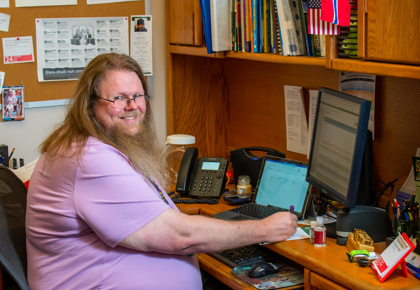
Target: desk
<point>325,268</point>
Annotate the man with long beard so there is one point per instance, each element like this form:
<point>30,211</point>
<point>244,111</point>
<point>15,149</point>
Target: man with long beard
<point>97,215</point>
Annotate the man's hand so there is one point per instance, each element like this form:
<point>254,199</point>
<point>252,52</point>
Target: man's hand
<point>280,226</point>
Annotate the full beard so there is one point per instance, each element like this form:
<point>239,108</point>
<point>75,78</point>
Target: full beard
<point>142,149</point>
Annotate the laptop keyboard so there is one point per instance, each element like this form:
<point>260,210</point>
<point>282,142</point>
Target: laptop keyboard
<point>245,256</point>
<point>257,211</point>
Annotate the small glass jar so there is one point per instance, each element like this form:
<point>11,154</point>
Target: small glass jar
<point>173,153</point>
<point>244,185</point>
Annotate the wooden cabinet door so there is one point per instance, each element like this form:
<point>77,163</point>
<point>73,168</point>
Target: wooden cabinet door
<point>393,31</point>
<point>185,22</point>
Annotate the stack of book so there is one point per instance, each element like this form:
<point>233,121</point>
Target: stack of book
<point>260,26</point>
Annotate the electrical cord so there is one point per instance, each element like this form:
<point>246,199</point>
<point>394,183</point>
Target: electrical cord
<point>383,190</point>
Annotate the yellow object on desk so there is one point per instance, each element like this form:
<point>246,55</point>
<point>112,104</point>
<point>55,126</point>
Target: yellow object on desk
<point>352,244</point>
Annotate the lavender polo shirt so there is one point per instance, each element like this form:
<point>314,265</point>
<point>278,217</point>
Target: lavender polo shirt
<point>76,217</point>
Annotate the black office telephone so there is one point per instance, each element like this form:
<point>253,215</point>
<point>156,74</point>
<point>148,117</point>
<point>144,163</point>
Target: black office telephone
<point>204,177</point>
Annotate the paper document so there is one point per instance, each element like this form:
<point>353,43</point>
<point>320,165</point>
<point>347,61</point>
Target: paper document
<point>66,45</point>
<point>4,4</point>
<point>296,125</point>
<point>301,233</point>
<point>409,185</point>
<point>31,3</point>
<point>90,2</point>
<point>18,49</point>
<point>313,100</point>
<point>391,256</point>
<point>141,42</point>
<point>4,22</point>
<point>362,86</point>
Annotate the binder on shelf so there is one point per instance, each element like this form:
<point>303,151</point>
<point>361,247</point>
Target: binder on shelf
<point>239,25</point>
<point>220,27</point>
<point>290,27</point>
<point>243,23</point>
<point>247,26</point>
<point>303,10</point>
<point>261,15</point>
<point>265,25</point>
<point>256,25</point>
<point>234,35</point>
<point>393,256</point>
<point>275,28</point>
<point>205,15</point>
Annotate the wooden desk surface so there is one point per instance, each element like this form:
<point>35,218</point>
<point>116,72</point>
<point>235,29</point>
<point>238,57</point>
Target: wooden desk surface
<point>330,262</point>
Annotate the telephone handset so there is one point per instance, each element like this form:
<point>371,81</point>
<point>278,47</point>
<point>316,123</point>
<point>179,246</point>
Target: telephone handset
<point>202,177</point>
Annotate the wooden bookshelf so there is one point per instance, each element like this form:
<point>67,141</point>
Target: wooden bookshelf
<point>337,64</point>
<point>377,68</point>
<point>274,58</point>
<point>193,50</point>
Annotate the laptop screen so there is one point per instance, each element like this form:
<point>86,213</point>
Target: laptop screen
<point>282,183</point>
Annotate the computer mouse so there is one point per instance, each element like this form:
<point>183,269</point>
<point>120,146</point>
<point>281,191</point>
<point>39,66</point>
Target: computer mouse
<point>262,269</point>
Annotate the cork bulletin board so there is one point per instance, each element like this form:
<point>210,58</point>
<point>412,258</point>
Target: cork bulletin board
<point>22,23</point>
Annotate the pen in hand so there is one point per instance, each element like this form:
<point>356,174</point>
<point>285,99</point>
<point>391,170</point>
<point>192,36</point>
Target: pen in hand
<point>292,208</point>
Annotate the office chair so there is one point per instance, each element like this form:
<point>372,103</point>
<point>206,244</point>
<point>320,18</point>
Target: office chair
<point>12,227</point>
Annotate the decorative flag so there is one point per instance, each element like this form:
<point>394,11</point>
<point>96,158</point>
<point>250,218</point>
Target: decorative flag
<point>336,11</point>
<point>315,24</point>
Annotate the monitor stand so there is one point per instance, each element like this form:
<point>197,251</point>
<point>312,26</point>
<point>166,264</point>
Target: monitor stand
<point>374,221</point>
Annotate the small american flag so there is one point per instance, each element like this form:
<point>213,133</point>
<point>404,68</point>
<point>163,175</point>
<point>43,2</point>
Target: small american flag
<point>315,24</point>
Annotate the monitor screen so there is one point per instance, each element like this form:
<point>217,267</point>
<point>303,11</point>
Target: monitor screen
<point>282,183</point>
<point>338,143</point>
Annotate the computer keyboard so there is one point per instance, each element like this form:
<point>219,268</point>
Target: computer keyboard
<point>245,256</point>
<point>257,211</point>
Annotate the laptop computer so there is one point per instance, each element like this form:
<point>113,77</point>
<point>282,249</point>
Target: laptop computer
<point>281,183</point>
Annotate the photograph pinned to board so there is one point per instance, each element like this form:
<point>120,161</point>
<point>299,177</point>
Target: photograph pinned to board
<point>141,42</point>
<point>13,103</point>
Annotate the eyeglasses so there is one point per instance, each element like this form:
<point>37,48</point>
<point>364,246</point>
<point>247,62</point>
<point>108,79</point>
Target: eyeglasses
<point>122,102</point>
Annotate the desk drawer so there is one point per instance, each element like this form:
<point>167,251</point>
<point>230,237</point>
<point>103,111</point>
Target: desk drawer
<point>313,281</point>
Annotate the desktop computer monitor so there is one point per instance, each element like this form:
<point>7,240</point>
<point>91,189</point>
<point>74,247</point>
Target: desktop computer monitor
<point>336,157</point>
<point>338,144</point>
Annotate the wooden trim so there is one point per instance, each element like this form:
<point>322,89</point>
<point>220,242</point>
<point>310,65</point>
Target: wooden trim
<point>198,24</point>
<point>271,57</point>
<point>192,50</point>
<point>377,68</point>
<point>361,29</point>
<point>320,282</point>
<point>307,279</point>
<point>331,51</point>
<point>169,69</point>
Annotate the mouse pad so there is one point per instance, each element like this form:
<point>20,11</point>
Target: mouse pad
<point>286,277</point>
